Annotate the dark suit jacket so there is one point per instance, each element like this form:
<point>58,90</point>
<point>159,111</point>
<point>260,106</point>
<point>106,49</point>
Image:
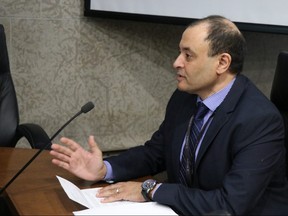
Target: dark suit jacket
<point>240,166</point>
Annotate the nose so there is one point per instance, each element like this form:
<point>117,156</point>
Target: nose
<point>178,63</point>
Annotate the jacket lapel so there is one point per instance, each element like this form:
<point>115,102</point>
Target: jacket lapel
<point>221,115</point>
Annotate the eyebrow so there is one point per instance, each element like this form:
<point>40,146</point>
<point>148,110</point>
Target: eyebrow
<point>187,49</point>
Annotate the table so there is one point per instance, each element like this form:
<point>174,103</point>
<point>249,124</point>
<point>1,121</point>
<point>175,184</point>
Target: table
<point>37,191</point>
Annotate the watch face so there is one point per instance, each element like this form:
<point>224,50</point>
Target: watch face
<point>148,184</point>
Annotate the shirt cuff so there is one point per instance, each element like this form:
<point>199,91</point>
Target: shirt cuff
<point>109,174</point>
<point>155,189</point>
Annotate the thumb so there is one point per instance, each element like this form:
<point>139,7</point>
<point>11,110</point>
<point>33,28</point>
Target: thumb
<point>92,144</point>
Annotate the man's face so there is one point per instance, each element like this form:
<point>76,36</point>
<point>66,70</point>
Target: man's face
<point>196,71</point>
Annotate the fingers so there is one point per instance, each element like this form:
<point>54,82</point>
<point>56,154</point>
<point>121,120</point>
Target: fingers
<point>62,164</point>
<point>111,193</point>
<point>70,147</point>
<point>121,191</point>
<point>70,143</point>
<point>62,153</point>
<point>61,157</point>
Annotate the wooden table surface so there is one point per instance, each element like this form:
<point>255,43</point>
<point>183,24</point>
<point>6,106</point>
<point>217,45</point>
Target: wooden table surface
<point>36,191</point>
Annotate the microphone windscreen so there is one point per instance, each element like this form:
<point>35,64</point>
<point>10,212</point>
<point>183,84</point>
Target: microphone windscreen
<point>87,107</point>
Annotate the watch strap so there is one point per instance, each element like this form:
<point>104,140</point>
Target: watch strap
<point>146,192</point>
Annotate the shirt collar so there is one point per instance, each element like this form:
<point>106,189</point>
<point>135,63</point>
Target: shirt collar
<point>213,101</point>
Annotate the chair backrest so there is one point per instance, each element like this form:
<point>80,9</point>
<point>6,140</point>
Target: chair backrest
<point>279,93</point>
<point>9,115</point>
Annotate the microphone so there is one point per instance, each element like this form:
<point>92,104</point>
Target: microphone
<point>84,109</point>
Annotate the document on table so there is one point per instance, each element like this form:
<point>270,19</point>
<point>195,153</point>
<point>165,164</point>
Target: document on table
<point>87,198</point>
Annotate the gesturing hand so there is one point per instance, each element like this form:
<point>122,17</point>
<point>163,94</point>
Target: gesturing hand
<point>73,157</point>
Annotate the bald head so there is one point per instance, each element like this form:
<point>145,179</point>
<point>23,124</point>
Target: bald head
<point>223,36</point>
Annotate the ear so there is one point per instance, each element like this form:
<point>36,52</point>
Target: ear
<point>224,61</point>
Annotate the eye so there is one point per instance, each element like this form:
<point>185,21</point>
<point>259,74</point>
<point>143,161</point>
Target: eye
<point>188,56</point>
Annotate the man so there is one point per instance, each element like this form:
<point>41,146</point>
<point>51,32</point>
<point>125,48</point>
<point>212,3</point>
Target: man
<point>238,163</point>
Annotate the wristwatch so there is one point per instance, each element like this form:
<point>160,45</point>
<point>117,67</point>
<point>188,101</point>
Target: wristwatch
<point>148,186</point>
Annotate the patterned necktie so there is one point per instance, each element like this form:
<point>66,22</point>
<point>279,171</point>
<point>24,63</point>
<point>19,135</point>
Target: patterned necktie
<point>191,141</point>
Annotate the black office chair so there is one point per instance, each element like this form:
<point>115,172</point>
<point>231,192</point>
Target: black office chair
<point>279,93</point>
<point>10,130</point>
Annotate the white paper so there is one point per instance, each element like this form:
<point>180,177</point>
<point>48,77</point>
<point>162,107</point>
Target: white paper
<point>145,208</point>
<point>87,198</point>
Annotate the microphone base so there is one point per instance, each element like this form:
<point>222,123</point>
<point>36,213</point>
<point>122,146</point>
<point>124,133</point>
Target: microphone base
<point>5,207</point>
